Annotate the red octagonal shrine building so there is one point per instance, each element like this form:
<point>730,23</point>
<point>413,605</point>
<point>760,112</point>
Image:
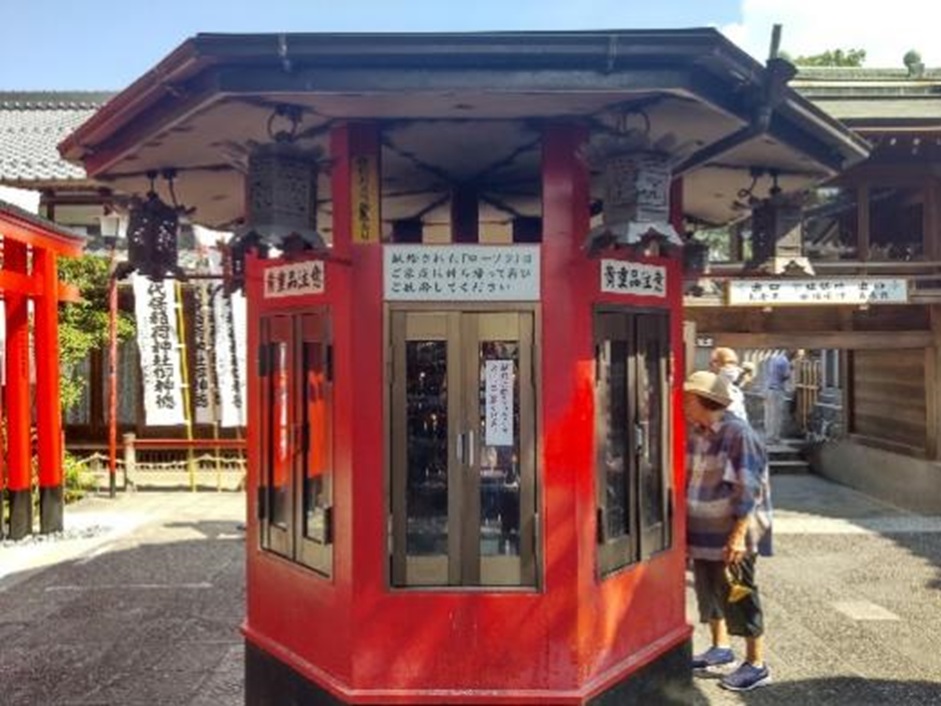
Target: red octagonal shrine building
<point>463,261</point>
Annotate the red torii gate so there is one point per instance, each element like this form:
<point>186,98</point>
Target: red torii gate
<point>30,247</point>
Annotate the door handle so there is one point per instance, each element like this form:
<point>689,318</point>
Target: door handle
<point>459,447</point>
<point>470,448</point>
<point>640,438</point>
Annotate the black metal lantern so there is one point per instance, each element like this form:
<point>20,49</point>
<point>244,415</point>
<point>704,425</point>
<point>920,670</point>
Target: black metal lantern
<point>777,233</point>
<point>152,237</point>
<point>637,175</point>
<point>281,190</point>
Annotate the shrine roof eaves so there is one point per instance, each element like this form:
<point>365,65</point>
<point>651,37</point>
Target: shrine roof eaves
<point>19,224</point>
<point>285,62</point>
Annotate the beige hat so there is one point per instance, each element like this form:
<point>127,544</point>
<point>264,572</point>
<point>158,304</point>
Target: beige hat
<point>709,386</point>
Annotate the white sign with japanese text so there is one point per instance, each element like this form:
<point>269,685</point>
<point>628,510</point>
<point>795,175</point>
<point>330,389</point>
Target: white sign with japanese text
<point>229,385</point>
<point>498,402</point>
<point>295,279</point>
<point>202,383</point>
<point>635,278</point>
<point>791,292</point>
<point>159,345</point>
<point>461,272</point>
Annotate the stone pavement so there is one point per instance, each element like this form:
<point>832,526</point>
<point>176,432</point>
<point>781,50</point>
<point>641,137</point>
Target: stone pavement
<point>141,605</point>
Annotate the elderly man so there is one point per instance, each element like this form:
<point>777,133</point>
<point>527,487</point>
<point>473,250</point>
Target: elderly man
<point>724,362</point>
<point>728,510</point>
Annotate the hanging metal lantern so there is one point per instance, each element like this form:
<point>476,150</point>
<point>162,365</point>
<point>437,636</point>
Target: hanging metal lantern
<point>777,233</point>
<point>152,232</point>
<point>281,190</point>
<point>636,204</point>
<point>637,177</point>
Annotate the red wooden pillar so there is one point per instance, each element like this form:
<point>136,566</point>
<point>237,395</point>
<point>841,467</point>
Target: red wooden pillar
<point>362,352</point>
<point>48,407</point>
<point>567,393</point>
<point>17,400</point>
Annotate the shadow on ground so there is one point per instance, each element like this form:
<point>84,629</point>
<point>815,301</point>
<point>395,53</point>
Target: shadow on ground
<point>152,624</point>
<point>836,691</point>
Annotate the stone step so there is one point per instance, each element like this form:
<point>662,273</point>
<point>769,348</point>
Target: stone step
<point>789,466</point>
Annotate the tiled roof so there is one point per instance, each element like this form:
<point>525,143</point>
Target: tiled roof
<point>31,126</point>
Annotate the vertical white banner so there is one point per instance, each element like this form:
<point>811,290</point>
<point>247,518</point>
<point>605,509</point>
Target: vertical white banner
<point>159,344</point>
<point>201,379</point>
<point>231,406</point>
<point>240,341</point>
<point>498,390</point>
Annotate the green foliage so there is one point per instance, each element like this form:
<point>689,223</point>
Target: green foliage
<point>83,326</point>
<point>77,479</point>
<point>834,57</point>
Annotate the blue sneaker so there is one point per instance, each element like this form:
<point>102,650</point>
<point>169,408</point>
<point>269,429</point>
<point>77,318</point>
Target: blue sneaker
<point>746,678</point>
<point>713,657</point>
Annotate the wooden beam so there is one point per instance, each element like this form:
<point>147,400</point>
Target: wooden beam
<point>862,222</point>
<point>842,340</point>
<point>17,283</point>
<point>931,219</point>
<point>932,392</point>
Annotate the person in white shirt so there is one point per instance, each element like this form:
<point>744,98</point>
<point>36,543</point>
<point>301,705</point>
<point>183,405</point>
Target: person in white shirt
<point>724,362</point>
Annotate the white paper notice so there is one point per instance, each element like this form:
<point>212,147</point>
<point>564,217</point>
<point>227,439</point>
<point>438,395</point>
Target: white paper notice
<point>499,402</point>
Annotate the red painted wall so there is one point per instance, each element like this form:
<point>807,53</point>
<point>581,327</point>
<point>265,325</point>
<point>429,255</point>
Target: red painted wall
<point>559,644</point>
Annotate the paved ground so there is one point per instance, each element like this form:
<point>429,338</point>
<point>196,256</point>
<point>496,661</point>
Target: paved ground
<point>142,606</point>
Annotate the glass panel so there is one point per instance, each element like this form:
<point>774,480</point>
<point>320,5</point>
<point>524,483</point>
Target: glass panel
<point>500,448</point>
<point>280,474</point>
<point>317,423</point>
<point>614,397</point>
<point>649,417</point>
<point>426,501</point>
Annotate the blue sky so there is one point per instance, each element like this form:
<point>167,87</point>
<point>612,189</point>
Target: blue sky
<point>106,44</point>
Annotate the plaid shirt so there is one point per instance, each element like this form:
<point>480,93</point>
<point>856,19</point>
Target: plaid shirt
<point>727,479</point>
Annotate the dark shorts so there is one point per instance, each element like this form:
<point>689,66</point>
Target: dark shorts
<point>743,617</point>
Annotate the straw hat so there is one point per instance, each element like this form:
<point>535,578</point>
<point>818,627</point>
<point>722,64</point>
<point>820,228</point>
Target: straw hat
<point>709,386</point>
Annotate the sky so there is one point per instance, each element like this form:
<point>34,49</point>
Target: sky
<point>107,44</point>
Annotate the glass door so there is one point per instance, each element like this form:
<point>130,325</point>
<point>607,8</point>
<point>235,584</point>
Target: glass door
<point>278,430</point>
<point>296,486</point>
<point>632,446</point>
<point>653,453</point>
<point>463,448</point>
<point>499,473</point>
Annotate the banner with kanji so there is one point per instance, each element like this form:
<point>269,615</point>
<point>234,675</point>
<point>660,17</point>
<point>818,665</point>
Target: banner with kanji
<point>229,376</point>
<point>159,345</point>
<point>202,377</point>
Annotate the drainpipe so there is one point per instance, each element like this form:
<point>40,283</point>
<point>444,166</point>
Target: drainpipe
<point>774,82</point>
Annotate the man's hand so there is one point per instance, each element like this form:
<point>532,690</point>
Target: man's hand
<point>734,552</point>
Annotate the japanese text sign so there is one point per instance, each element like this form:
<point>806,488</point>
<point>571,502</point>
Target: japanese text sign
<point>498,389</point>
<point>295,279</point>
<point>461,272</point>
<point>634,278</point>
<point>790,292</point>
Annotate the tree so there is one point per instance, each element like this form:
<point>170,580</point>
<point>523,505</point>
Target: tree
<point>84,325</point>
<point>834,57</point>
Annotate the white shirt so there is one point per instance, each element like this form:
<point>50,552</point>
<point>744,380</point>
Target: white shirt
<point>731,373</point>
